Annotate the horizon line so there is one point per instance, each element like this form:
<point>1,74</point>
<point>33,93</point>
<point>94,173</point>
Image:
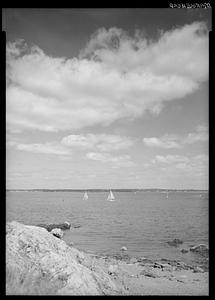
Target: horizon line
<point>104,189</point>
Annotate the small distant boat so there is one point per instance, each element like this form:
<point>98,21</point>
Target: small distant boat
<point>167,194</point>
<point>111,196</point>
<point>85,196</point>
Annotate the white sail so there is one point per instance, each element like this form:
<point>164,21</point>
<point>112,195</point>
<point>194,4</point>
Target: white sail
<point>85,196</point>
<point>111,196</point>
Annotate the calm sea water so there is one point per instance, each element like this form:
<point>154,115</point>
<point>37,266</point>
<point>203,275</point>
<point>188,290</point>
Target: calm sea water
<point>141,221</point>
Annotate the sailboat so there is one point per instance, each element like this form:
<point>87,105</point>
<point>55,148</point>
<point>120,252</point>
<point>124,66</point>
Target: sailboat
<point>111,196</point>
<point>85,196</point>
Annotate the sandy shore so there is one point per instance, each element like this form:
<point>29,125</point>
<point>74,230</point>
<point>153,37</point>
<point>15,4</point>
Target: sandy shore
<point>39,263</point>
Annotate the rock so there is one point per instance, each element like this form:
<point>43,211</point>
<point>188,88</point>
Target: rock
<point>148,274</point>
<point>184,250</point>
<point>124,248</point>
<point>144,260</point>
<point>76,226</point>
<point>201,249</point>
<point>57,232</point>
<point>112,269</point>
<point>175,242</point>
<point>37,263</point>
<point>49,227</point>
<point>198,270</point>
<point>133,260</point>
<point>121,256</point>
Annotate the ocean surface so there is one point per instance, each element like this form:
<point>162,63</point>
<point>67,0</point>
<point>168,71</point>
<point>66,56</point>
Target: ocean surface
<point>143,221</point>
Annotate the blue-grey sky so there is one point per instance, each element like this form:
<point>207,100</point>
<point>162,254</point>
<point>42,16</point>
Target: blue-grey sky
<point>107,98</point>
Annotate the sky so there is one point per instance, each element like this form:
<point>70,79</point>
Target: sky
<point>107,98</point>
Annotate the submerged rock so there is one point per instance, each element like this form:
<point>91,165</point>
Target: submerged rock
<point>184,250</point>
<point>201,249</point>
<point>62,226</point>
<point>198,270</point>
<point>148,273</point>
<point>175,242</point>
<point>76,226</point>
<point>38,263</point>
<point>57,232</point>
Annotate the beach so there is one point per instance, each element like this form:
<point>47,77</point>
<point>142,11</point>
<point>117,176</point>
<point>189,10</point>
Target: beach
<point>37,263</point>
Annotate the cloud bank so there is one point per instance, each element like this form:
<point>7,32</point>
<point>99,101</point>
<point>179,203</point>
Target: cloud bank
<point>116,76</point>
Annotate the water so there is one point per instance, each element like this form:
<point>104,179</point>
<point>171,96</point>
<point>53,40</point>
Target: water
<point>142,221</point>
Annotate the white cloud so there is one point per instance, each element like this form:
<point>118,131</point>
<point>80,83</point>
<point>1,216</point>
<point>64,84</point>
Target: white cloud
<point>116,76</point>
<point>169,159</point>
<point>174,141</point>
<point>193,166</point>
<point>122,160</point>
<point>101,142</point>
<point>167,141</point>
<point>200,135</point>
<point>48,148</point>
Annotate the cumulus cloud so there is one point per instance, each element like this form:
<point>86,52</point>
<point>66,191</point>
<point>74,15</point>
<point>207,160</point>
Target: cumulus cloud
<point>101,142</point>
<point>122,160</point>
<point>116,76</point>
<point>200,135</point>
<point>194,166</point>
<point>167,141</point>
<point>173,141</point>
<point>169,159</point>
<point>47,148</point>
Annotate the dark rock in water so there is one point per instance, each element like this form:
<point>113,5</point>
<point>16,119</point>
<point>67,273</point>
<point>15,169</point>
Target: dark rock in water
<point>184,250</point>
<point>49,227</point>
<point>198,270</point>
<point>76,226</point>
<point>148,274</point>
<point>144,260</point>
<point>123,257</point>
<point>201,249</point>
<point>175,242</point>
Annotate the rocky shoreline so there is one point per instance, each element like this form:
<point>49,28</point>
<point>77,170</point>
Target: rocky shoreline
<point>38,262</point>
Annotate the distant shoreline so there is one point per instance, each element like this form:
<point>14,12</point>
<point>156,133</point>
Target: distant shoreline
<point>105,190</point>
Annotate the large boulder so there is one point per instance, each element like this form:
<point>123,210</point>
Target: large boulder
<point>201,249</point>
<point>62,226</point>
<point>37,263</point>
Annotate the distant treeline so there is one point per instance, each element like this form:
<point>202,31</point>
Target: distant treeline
<point>104,190</point>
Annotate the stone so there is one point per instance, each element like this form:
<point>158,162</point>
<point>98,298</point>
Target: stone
<point>184,250</point>
<point>198,270</point>
<point>63,226</point>
<point>148,274</point>
<point>112,269</point>
<point>175,242</point>
<point>201,249</point>
<point>133,260</point>
<point>57,232</point>
<point>76,226</point>
<point>124,248</point>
